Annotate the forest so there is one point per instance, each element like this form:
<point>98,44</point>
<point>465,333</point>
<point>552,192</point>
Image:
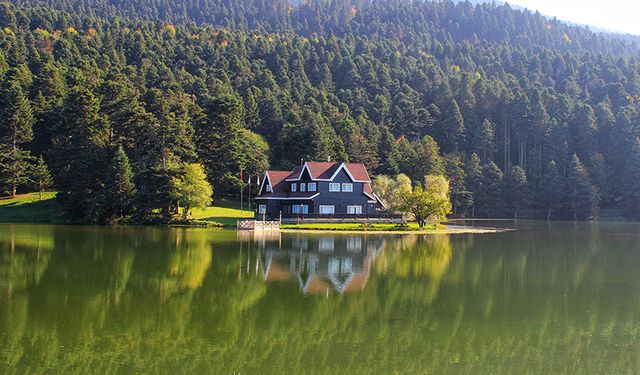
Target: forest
<point>110,101</point>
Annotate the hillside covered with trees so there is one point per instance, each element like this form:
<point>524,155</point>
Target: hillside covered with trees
<point>117,98</point>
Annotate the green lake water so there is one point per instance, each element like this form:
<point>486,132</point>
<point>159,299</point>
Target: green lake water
<point>545,299</point>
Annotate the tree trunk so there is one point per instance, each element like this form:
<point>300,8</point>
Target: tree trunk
<point>13,191</point>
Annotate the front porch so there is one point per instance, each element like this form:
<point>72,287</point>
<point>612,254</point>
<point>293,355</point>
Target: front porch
<point>371,218</point>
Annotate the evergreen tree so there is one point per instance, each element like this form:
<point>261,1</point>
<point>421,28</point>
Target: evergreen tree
<point>474,181</point>
<point>632,182</point>
<point>552,189</point>
<point>516,190</point>
<point>427,160</point>
<point>582,195</point>
<point>16,121</point>
<point>119,188</point>
<point>80,153</point>
<point>491,194</point>
<point>41,176</point>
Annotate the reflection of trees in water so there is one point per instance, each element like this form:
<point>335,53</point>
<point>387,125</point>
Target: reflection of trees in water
<point>424,258</point>
<point>163,301</point>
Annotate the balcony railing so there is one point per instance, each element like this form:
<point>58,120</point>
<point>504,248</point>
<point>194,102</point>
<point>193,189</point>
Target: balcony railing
<point>329,217</point>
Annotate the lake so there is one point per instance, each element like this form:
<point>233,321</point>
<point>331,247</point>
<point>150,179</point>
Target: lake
<point>546,299</point>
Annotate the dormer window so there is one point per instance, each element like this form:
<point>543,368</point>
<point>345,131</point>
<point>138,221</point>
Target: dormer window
<point>269,189</point>
<point>303,187</point>
<point>294,187</point>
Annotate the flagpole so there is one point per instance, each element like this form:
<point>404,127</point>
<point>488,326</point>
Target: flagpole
<point>241,190</point>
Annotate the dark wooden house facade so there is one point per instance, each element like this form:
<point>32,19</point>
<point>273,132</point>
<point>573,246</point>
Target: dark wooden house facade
<point>319,189</point>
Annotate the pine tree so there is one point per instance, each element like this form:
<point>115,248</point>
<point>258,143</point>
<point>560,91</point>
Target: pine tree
<point>16,121</point>
<point>552,188</point>
<point>582,195</point>
<point>80,150</point>
<point>41,176</point>
<point>474,181</point>
<point>490,198</point>
<point>119,188</point>
<point>516,190</point>
<point>632,182</point>
<point>428,160</point>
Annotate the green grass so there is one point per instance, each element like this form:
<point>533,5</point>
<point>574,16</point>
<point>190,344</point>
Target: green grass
<point>28,208</point>
<point>227,213</point>
<point>359,227</point>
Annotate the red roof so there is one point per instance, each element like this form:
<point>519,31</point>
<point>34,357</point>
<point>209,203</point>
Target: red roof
<point>317,171</point>
<point>325,170</point>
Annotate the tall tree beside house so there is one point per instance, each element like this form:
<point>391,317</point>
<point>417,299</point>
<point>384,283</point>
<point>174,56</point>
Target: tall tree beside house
<point>516,190</point>
<point>16,121</point>
<point>80,154</point>
<point>225,146</point>
<point>389,153</point>
<point>632,182</point>
<point>192,188</point>
<point>583,198</point>
<point>552,189</point>
<point>119,190</point>
<point>427,160</point>
<point>431,202</point>
<point>41,177</point>
<point>392,191</point>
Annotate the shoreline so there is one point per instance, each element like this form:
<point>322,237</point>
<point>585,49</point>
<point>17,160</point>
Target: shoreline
<point>447,230</point>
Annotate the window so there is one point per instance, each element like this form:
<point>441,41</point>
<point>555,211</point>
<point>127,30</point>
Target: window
<point>303,186</point>
<point>262,209</point>
<point>347,188</point>
<point>294,187</point>
<point>334,187</point>
<point>326,244</point>
<point>300,209</point>
<point>312,186</point>
<point>354,210</point>
<point>327,210</point>
<point>269,189</point>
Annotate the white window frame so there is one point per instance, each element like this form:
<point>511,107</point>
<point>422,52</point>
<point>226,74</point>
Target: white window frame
<point>323,207</point>
<point>334,187</point>
<point>354,210</point>
<point>269,189</point>
<point>294,187</point>
<point>303,187</point>
<point>262,209</point>
<point>300,209</point>
<point>312,186</point>
<point>349,185</point>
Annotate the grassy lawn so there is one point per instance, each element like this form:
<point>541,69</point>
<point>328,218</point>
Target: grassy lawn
<point>225,212</point>
<point>359,227</point>
<point>28,208</point>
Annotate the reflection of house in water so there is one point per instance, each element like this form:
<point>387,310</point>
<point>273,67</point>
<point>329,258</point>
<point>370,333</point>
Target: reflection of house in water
<point>320,263</point>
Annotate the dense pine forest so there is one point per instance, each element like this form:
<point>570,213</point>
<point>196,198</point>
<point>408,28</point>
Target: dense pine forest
<point>116,98</point>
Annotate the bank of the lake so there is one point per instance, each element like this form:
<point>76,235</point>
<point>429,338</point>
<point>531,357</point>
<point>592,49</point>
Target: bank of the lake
<point>35,208</point>
<point>409,228</point>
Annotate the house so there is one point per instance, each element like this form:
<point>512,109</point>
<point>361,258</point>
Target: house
<point>320,264</point>
<point>318,189</point>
